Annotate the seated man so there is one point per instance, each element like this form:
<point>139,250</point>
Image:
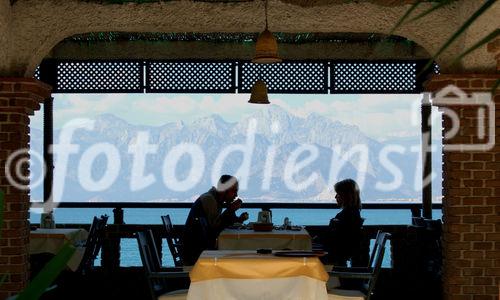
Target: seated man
<point>207,219</point>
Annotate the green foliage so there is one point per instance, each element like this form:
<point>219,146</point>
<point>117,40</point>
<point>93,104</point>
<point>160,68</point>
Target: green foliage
<point>404,17</point>
<point>461,30</point>
<point>48,274</point>
<point>434,7</point>
<point>495,86</point>
<point>442,3</point>
<point>491,36</point>
<point>1,211</point>
<point>3,277</point>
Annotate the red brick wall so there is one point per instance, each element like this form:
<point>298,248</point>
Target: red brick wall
<point>494,47</point>
<point>19,98</point>
<point>471,204</point>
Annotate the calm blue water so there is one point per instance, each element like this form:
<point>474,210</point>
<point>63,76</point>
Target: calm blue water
<point>130,254</point>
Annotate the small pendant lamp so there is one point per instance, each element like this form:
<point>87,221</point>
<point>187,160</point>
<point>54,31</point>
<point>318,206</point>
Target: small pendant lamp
<point>259,93</point>
<point>266,48</point>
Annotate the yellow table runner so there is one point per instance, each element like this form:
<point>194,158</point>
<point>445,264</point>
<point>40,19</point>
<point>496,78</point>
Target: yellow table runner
<point>45,240</point>
<point>67,234</point>
<point>250,265</point>
<point>50,236</point>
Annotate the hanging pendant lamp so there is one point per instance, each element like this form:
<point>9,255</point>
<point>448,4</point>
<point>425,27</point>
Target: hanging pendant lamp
<point>259,93</point>
<point>266,48</point>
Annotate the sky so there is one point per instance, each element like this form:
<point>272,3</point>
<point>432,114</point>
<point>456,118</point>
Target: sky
<point>381,117</point>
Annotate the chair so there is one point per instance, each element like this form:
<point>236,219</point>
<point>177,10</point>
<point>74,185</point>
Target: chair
<point>158,277</point>
<point>369,273</point>
<point>93,244</point>
<point>173,242</point>
<point>358,254</point>
<point>197,238</point>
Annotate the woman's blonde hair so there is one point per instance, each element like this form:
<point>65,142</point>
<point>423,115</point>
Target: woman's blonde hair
<point>348,190</point>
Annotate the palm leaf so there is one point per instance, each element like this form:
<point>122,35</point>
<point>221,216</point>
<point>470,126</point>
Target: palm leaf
<point>1,211</point>
<point>404,17</point>
<point>48,274</point>
<point>495,86</point>
<point>459,32</point>
<point>430,10</point>
<point>483,41</point>
<point>3,277</point>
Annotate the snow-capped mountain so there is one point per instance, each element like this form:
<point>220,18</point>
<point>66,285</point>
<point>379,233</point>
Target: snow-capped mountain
<point>278,140</point>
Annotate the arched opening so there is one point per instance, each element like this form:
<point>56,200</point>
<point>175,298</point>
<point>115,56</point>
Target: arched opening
<point>330,79</point>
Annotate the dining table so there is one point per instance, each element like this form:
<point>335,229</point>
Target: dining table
<point>51,240</point>
<point>277,239</point>
<point>245,275</point>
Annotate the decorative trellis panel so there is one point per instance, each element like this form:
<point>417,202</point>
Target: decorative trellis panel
<point>436,69</point>
<point>379,77</point>
<point>190,77</point>
<point>307,77</point>
<point>286,77</point>
<point>36,75</point>
<point>100,77</point>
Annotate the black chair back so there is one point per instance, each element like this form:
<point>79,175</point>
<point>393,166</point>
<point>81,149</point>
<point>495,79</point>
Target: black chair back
<point>174,244</point>
<point>157,276</point>
<point>148,251</point>
<point>376,260</point>
<point>150,260</point>
<point>94,243</point>
<point>375,248</point>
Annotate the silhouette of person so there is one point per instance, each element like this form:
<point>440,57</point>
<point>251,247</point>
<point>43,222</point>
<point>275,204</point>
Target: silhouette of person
<point>207,218</point>
<point>344,236</point>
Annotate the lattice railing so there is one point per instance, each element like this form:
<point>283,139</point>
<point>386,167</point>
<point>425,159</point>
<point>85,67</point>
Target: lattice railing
<point>297,77</point>
<point>99,77</point>
<point>287,77</point>
<point>357,77</point>
<point>188,77</point>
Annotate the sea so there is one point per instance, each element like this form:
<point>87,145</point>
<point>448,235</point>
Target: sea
<point>129,249</point>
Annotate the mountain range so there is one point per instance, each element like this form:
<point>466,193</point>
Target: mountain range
<point>275,129</point>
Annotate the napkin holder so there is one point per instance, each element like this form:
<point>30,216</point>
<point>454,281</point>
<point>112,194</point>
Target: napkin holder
<point>264,217</point>
<point>47,220</point>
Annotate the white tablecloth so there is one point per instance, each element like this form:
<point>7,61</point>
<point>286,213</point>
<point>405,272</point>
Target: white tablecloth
<point>242,239</point>
<point>45,240</point>
<point>245,275</point>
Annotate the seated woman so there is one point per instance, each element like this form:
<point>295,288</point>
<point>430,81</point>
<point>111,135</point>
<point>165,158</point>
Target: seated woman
<point>343,242</point>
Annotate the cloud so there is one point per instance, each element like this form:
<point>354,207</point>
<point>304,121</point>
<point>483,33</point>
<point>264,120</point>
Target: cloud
<point>71,106</point>
<point>377,115</point>
<point>181,104</point>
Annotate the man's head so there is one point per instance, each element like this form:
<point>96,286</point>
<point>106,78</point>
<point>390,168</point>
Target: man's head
<point>227,187</point>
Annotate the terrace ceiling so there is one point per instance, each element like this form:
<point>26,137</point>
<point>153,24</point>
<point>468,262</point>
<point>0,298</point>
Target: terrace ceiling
<point>304,3</point>
<point>36,29</point>
<point>239,46</point>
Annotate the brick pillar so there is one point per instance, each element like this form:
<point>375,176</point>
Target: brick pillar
<point>471,203</point>
<point>494,47</point>
<point>19,98</point>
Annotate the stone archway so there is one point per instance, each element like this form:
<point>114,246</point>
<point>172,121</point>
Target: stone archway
<point>36,27</point>
<point>31,30</point>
